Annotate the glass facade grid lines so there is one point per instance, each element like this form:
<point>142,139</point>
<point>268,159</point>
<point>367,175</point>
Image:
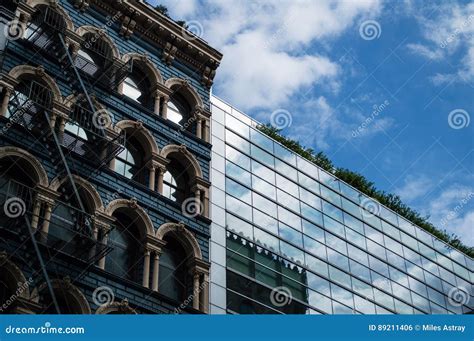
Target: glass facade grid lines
<point>315,221</point>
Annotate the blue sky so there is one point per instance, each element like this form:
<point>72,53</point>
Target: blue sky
<point>384,88</point>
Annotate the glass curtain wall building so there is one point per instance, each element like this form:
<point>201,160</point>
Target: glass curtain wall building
<point>288,237</point>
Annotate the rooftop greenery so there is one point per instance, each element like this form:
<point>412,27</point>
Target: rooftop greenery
<point>164,10</point>
<point>367,187</point>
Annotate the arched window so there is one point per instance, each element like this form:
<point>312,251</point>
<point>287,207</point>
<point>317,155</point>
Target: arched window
<point>173,275</point>
<point>28,102</point>
<point>40,30</point>
<point>86,63</point>
<point>69,298</point>
<point>123,258</point>
<point>139,147</point>
<point>178,110</point>
<point>68,220</point>
<point>13,285</point>
<point>132,90</point>
<point>175,182</point>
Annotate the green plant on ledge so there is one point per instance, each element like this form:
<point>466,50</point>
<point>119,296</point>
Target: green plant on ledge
<point>367,187</point>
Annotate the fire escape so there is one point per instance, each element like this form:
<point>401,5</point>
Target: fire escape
<point>81,137</point>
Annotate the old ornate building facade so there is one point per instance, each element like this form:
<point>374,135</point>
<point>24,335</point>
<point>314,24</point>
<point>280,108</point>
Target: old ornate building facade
<point>104,159</point>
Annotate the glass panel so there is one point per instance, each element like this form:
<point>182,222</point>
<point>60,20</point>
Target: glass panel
<point>314,247</point>
<point>238,191</point>
<point>342,295</point>
<point>360,271</point>
<point>339,277</point>
<point>331,196</point>
<point>237,157</point>
<point>285,154</point>
<point>353,223</point>
<point>265,221</point>
<point>333,226</point>
<point>319,284</point>
<point>362,288</point>
<point>310,199</point>
<point>390,230</point>
<point>237,142</point>
<point>264,205</point>
<point>358,255</point>
<point>308,183</point>
<point>291,252</point>
<point>263,172</point>
<point>311,214</point>
<point>239,226</point>
<point>364,306</point>
<point>313,231</point>
<point>238,173</point>
<point>307,167</point>
<point>288,201</point>
<point>238,207</point>
<point>289,218</point>
<point>332,211</point>
<point>266,240</point>
<point>352,208</point>
<point>338,259</point>
<point>320,302</point>
<point>328,180</point>
<point>262,156</point>
<point>349,191</point>
<point>237,126</point>
<point>316,265</point>
<point>356,238</point>
<point>284,168</point>
<point>287,185</point>
<point>261,140</point>
<point>291,235</point>
<point>263,187</point>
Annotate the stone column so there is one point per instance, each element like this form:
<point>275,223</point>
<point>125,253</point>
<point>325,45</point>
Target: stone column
<point>164,111</point>
<point>146,269</point>
<point>205,204</point>
<point>35,215</point>
<point>199,128</point>
<point>196,291</point>
<point>62,126</point>
<point>157,104</point>
<point>205,294</point>
<point>156,271</point>
<point>102,260</point>
<point>206,131</point>
<point>47,218</point>
<point>6,99</point>
<point>152,177</point>
<point>198,201</point>
<point>161,173</point>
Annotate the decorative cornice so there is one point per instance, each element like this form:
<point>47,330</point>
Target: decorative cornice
<point>139,18</point>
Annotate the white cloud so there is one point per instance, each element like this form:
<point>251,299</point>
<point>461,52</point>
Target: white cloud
<point>414,187</point>
<point>269,46</point>
<point>448,29</point>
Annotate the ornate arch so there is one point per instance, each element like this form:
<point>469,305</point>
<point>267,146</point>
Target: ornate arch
<point>101,115</point>
<point>192,165</point>
<point>182,234</point>
<point>38,170</point>
<point>16,277</point>
<point>119,307</point>
<point>83,30</point>
<point>85,185</point>
<point>147,66</point>
<point>141,133</point>
<point>146,223</point>
<point>186,89</point>
<point>37,72</point>
<point>67,287</point>
<point>54,4</point>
